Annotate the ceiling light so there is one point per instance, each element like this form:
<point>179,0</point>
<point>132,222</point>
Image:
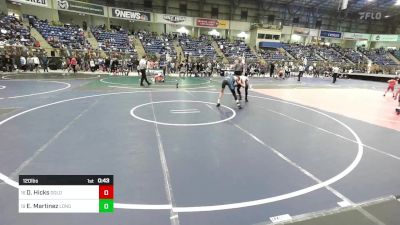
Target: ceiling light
<point>183,30</point>
<point>213,33</point>
<point>242,35</point>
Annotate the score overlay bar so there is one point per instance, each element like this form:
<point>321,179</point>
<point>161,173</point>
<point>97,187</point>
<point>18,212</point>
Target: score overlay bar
<point>66,194</point>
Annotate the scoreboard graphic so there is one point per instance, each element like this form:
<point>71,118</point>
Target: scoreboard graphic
<point>66,194</point>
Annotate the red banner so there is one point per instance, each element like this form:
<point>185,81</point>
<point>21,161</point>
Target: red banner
<point>224,24</point>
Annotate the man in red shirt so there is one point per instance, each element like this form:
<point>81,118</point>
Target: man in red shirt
<point>392,84</point>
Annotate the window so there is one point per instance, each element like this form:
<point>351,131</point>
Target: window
<point>271,18</point>
<point>318,24</point>
<point>110,2</point>
<point>268,36</point>
<point>148,4</point>
<point>243,15</point>
<point>214,12</point>
<point>183,8</point>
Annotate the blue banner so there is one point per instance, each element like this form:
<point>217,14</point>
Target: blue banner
<point>331,34</point>
<point>264,44</point>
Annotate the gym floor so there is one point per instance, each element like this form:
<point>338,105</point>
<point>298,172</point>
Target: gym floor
<point>294,148</point>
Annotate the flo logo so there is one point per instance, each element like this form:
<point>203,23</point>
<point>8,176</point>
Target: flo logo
<point>63,4</point>
<point>370,16</point>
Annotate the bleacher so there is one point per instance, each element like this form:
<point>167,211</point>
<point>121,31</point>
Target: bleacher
<point>157,44</point>
<point>379,56</point>
<point>352,55</point>
<point>197,47</point>
<point>14,33</point>
<point>330,54</point>
<point>235,49</point>
<point>112,40</point>
<point>68,36</point>
<point>301,51</point>
<point>395,53</point>
<point>273,55</point>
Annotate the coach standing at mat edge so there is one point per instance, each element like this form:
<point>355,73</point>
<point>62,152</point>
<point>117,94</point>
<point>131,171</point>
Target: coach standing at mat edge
<point>143,67</point>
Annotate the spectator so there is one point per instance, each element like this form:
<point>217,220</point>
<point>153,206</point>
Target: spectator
<point>73,63</point>
<point>22,63</point>
<point>36,63</point>
<point>45,63</point>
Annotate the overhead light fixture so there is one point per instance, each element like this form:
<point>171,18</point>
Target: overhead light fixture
<point>15,3</point>
<point>387,16</point>
<point>296,37</point>
<point>213,32</point>
<point>183,30</point>
<point>242,35</point>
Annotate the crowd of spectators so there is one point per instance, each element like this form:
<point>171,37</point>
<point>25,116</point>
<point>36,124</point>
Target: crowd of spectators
<point>234,49</point>
<point>112,40</point>
<point>12,32</point>
<point>269,55</point>
<point>60,36</point>
<point>395,53</point>
<point>299,52</point>
<point>157,44</point>
<point>200,47</point>
<point>352,55</point>
<point>331,54</point>
<point>378,56</point>
<point>200,55</point>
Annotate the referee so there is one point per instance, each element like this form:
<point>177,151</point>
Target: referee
<point>142,68</point>
<point>335,70</point>
<point>238,68</point>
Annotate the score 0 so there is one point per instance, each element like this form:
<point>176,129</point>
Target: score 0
<point>106,198</point>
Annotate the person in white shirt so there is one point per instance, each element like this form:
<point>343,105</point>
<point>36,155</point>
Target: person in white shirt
<point>244,80</point>
<point>142,67</point>
<point>36,63</point>
<point>287,71</point>
<point>311,70</point>
<point>335,71</point>
<point>172,65</point>
<point>22,62</point>
<point>301,71</point>
<point>29,63</point>
<point>92,65</point>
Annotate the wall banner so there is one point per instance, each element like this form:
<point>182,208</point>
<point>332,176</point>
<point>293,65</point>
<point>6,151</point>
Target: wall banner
<point>173,19</point>
<point>356,36</point>
<point>81,7</point>
<point>330,34</point>
<point>222,24</point>
<point>41,3</point>
<point>130,14</point>
<point>384,37</point>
